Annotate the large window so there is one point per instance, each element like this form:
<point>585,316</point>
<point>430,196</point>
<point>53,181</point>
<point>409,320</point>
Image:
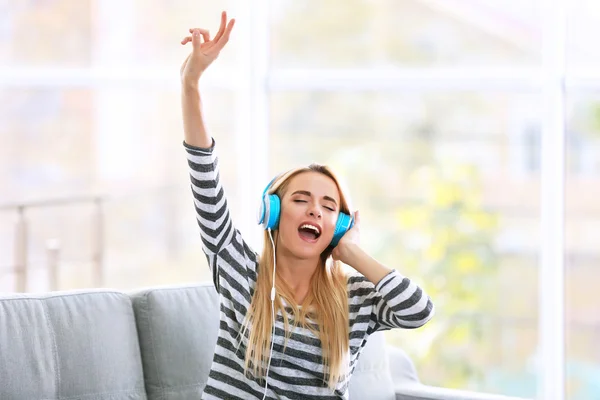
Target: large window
<point>452,122</point>
<point>448,185</point>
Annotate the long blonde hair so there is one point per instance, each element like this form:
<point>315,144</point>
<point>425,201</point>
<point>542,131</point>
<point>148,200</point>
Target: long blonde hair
<point>324,311</point>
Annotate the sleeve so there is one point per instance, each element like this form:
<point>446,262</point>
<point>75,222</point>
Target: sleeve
<point>210,203</point>
<point>221,242</point>
<point>398,302</point>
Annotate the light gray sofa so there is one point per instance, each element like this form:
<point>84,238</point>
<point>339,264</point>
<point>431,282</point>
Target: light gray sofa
<point>154,344</point>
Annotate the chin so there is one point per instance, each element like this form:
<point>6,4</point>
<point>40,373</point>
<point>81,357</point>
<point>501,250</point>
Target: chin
<point>302,252</point>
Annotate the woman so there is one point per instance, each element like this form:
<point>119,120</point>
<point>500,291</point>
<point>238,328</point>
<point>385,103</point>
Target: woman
<point>324,315</point>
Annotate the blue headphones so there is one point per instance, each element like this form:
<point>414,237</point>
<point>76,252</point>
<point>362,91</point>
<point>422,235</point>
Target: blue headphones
<point>270,210</point>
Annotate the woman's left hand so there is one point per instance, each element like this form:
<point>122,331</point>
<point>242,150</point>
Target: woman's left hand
<point>348,242</point>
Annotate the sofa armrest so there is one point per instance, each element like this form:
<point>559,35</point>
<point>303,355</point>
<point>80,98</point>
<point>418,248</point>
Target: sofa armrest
<point>418,391</point>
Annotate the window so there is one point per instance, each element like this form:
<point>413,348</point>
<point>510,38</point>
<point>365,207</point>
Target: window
<point>430,174</point>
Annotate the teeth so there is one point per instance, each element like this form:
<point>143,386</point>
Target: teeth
<point>314,228</point>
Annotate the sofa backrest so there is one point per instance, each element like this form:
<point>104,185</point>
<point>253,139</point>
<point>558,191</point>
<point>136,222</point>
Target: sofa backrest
<point>154,343</point>
<point>69,345</point>
<point>178,328</point>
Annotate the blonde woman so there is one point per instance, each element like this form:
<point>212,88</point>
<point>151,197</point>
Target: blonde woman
<point>292,321</point>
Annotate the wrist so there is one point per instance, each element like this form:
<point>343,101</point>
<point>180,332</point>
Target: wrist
<point>350,253</point>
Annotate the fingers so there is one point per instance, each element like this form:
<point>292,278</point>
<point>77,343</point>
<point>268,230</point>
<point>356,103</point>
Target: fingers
<point>222,41</point>
<point>219,41</point>
<point>198,31</point>
<point>356,218</point>
<point>195,38</point>
<point>222,26</point>
<point>204,32</point>
<point>196,41</point>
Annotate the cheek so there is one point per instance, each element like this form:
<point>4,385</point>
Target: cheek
<point>331,222</point>
<point>287,220</point>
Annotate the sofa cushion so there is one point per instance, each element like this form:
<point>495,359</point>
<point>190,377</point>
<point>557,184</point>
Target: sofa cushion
<point>178,329</point>
<point>402,368</point>
<point>69,345</point>
<point>372,379</point>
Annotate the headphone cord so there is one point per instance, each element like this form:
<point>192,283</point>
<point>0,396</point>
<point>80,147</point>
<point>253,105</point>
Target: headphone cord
<point>272,313</point>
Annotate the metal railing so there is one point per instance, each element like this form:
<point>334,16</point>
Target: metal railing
<point>21,243</point>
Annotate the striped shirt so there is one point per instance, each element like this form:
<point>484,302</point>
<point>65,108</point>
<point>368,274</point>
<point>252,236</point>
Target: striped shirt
<point>297,373</point>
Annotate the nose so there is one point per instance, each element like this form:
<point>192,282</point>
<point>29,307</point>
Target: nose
<point>314,212</point>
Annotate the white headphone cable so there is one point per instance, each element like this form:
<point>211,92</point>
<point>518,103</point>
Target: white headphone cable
<point>272,313</point>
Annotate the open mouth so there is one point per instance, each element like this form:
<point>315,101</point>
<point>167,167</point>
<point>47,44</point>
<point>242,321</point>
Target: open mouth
<point>309,232</point>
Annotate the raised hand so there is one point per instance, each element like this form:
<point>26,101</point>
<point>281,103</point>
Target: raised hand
<point>204,50</point>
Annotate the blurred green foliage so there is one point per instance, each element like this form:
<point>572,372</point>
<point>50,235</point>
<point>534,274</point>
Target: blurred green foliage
<point>446,245</point>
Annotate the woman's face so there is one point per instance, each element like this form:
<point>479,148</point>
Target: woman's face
<point>309,211</point>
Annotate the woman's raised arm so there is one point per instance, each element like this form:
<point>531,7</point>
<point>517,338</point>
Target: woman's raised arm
<point>204,51</point>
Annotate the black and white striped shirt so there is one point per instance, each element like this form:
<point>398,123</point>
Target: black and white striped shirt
<point>297,373</point>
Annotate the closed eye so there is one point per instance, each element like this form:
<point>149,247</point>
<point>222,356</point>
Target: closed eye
<point>304,201</point>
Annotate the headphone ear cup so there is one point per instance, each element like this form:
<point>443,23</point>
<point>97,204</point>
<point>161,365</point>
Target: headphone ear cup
<point>261,212</point>
<point>272,212</point>
<point>343,225</point>
<point>268,211</point>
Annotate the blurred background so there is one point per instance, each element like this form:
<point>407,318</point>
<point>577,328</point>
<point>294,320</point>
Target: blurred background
<point>432,110</point>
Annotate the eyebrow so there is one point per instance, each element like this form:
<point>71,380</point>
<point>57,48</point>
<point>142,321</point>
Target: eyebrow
<point>307,193</point>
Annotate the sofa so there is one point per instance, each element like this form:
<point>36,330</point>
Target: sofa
<point>154,343</point>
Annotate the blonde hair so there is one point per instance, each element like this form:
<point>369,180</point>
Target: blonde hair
<point>324,311</point>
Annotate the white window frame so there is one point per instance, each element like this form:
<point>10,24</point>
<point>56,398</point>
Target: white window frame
<point>551,328</point>
<point>254,82</point>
